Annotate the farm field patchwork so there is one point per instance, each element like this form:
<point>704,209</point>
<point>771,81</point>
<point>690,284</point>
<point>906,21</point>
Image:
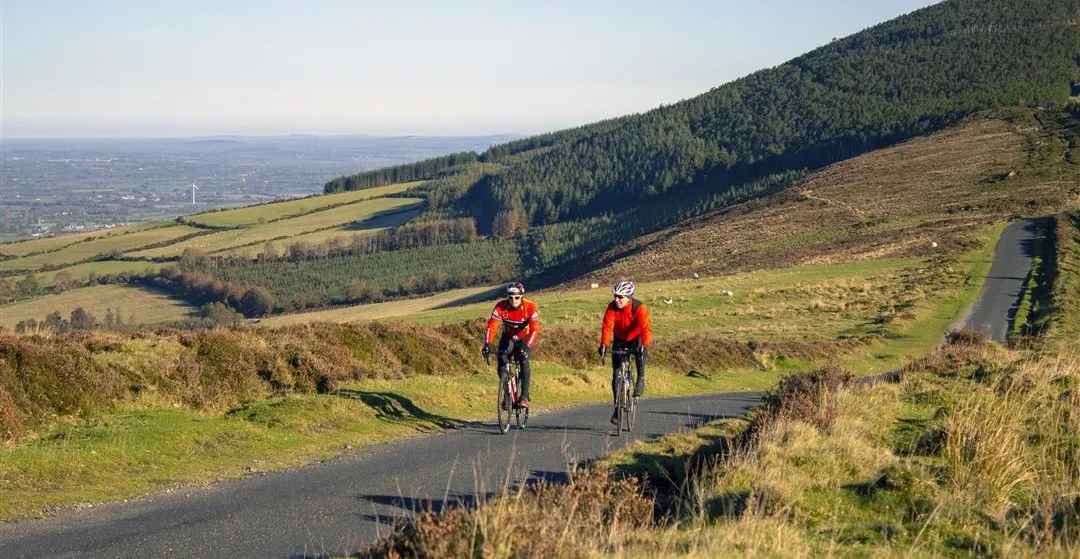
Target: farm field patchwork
<point>95,247</point>
<point>44,244</point>
<point>285,229</point>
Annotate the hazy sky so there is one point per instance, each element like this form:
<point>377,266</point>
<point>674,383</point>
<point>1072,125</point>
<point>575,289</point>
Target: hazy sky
<point>195,67</point>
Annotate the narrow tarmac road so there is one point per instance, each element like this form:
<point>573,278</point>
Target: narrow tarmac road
<point>995,310</point>
<point>335,507</point>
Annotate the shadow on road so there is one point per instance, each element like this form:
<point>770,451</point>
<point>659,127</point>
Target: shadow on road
<point>395,408</point>
<point>694,420</point>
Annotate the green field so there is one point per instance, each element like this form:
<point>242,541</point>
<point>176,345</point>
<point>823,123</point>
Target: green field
<point>285,229</point>
<point>253,215</point>
<point>145,306</point>
<point>343,234</point>
<point>99,246</point>
<point>22,248</point>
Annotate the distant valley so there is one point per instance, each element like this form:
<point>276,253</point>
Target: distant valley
<point>63,185</point>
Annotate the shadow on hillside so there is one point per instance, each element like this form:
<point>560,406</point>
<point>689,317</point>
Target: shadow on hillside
<point>385,219</point>
<point>486,295</point>
<point>395,408</point>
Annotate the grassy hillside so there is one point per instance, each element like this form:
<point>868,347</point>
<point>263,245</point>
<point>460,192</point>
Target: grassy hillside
<point>923,197</point>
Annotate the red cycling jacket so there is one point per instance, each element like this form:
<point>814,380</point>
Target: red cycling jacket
<point>520,323</point>
<point>626,323</point>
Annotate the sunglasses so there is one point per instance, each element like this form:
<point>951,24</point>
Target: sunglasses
<point>515,296</point>
<point>621,297</point>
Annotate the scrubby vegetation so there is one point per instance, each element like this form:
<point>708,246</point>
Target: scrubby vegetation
<point>43,377</point>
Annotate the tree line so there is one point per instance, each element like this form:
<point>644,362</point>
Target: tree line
<point>421,170</point>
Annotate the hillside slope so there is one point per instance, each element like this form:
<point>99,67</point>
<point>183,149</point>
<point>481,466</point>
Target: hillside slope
<point>922,197</point>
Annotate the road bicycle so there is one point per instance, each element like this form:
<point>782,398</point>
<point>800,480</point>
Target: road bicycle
<point>625,402</point>
<point>509,397</point>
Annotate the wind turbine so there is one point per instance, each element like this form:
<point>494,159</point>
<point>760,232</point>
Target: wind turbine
<point>193,189</point>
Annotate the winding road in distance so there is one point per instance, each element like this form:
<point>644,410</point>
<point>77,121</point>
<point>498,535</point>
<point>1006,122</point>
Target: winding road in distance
<point>334,507</point>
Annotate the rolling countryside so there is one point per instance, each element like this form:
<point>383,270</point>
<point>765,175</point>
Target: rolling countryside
<point>811,241</point>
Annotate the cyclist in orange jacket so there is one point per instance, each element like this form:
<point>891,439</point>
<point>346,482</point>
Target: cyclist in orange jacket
<point>626,327</point>
<point>521,325</point>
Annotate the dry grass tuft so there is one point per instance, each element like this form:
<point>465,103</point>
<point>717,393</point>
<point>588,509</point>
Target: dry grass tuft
<point>592,514</point>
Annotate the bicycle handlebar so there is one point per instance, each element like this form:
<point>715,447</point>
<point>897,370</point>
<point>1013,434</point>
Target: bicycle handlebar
<point>621,352</point>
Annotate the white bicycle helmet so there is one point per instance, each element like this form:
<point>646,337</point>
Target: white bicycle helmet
<point>515,288</point>
<point>624,288</point>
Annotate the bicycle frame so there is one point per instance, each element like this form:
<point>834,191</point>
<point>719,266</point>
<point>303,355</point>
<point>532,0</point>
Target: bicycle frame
<point>508,396</point>
<point>625,403</point>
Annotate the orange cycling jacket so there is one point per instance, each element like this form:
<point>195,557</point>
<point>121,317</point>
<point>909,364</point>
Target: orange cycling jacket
<point>520,323</point>
<point>626,323</point>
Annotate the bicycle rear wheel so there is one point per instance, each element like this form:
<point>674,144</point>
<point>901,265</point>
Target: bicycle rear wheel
<point>504,404</point>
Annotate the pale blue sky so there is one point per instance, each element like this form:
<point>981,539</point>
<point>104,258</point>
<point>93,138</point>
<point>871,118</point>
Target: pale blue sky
<point>196,67</point>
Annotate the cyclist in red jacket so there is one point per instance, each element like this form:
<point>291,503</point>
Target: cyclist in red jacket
<point>626,326</point>
<point>521,325</point>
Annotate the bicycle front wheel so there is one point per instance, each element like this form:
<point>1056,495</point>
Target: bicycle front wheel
<point>505,404</point>
<point>620,410</point>
<point>627,408</point>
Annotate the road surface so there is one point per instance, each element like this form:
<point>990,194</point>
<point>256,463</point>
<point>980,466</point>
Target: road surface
<point>993,313</point>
